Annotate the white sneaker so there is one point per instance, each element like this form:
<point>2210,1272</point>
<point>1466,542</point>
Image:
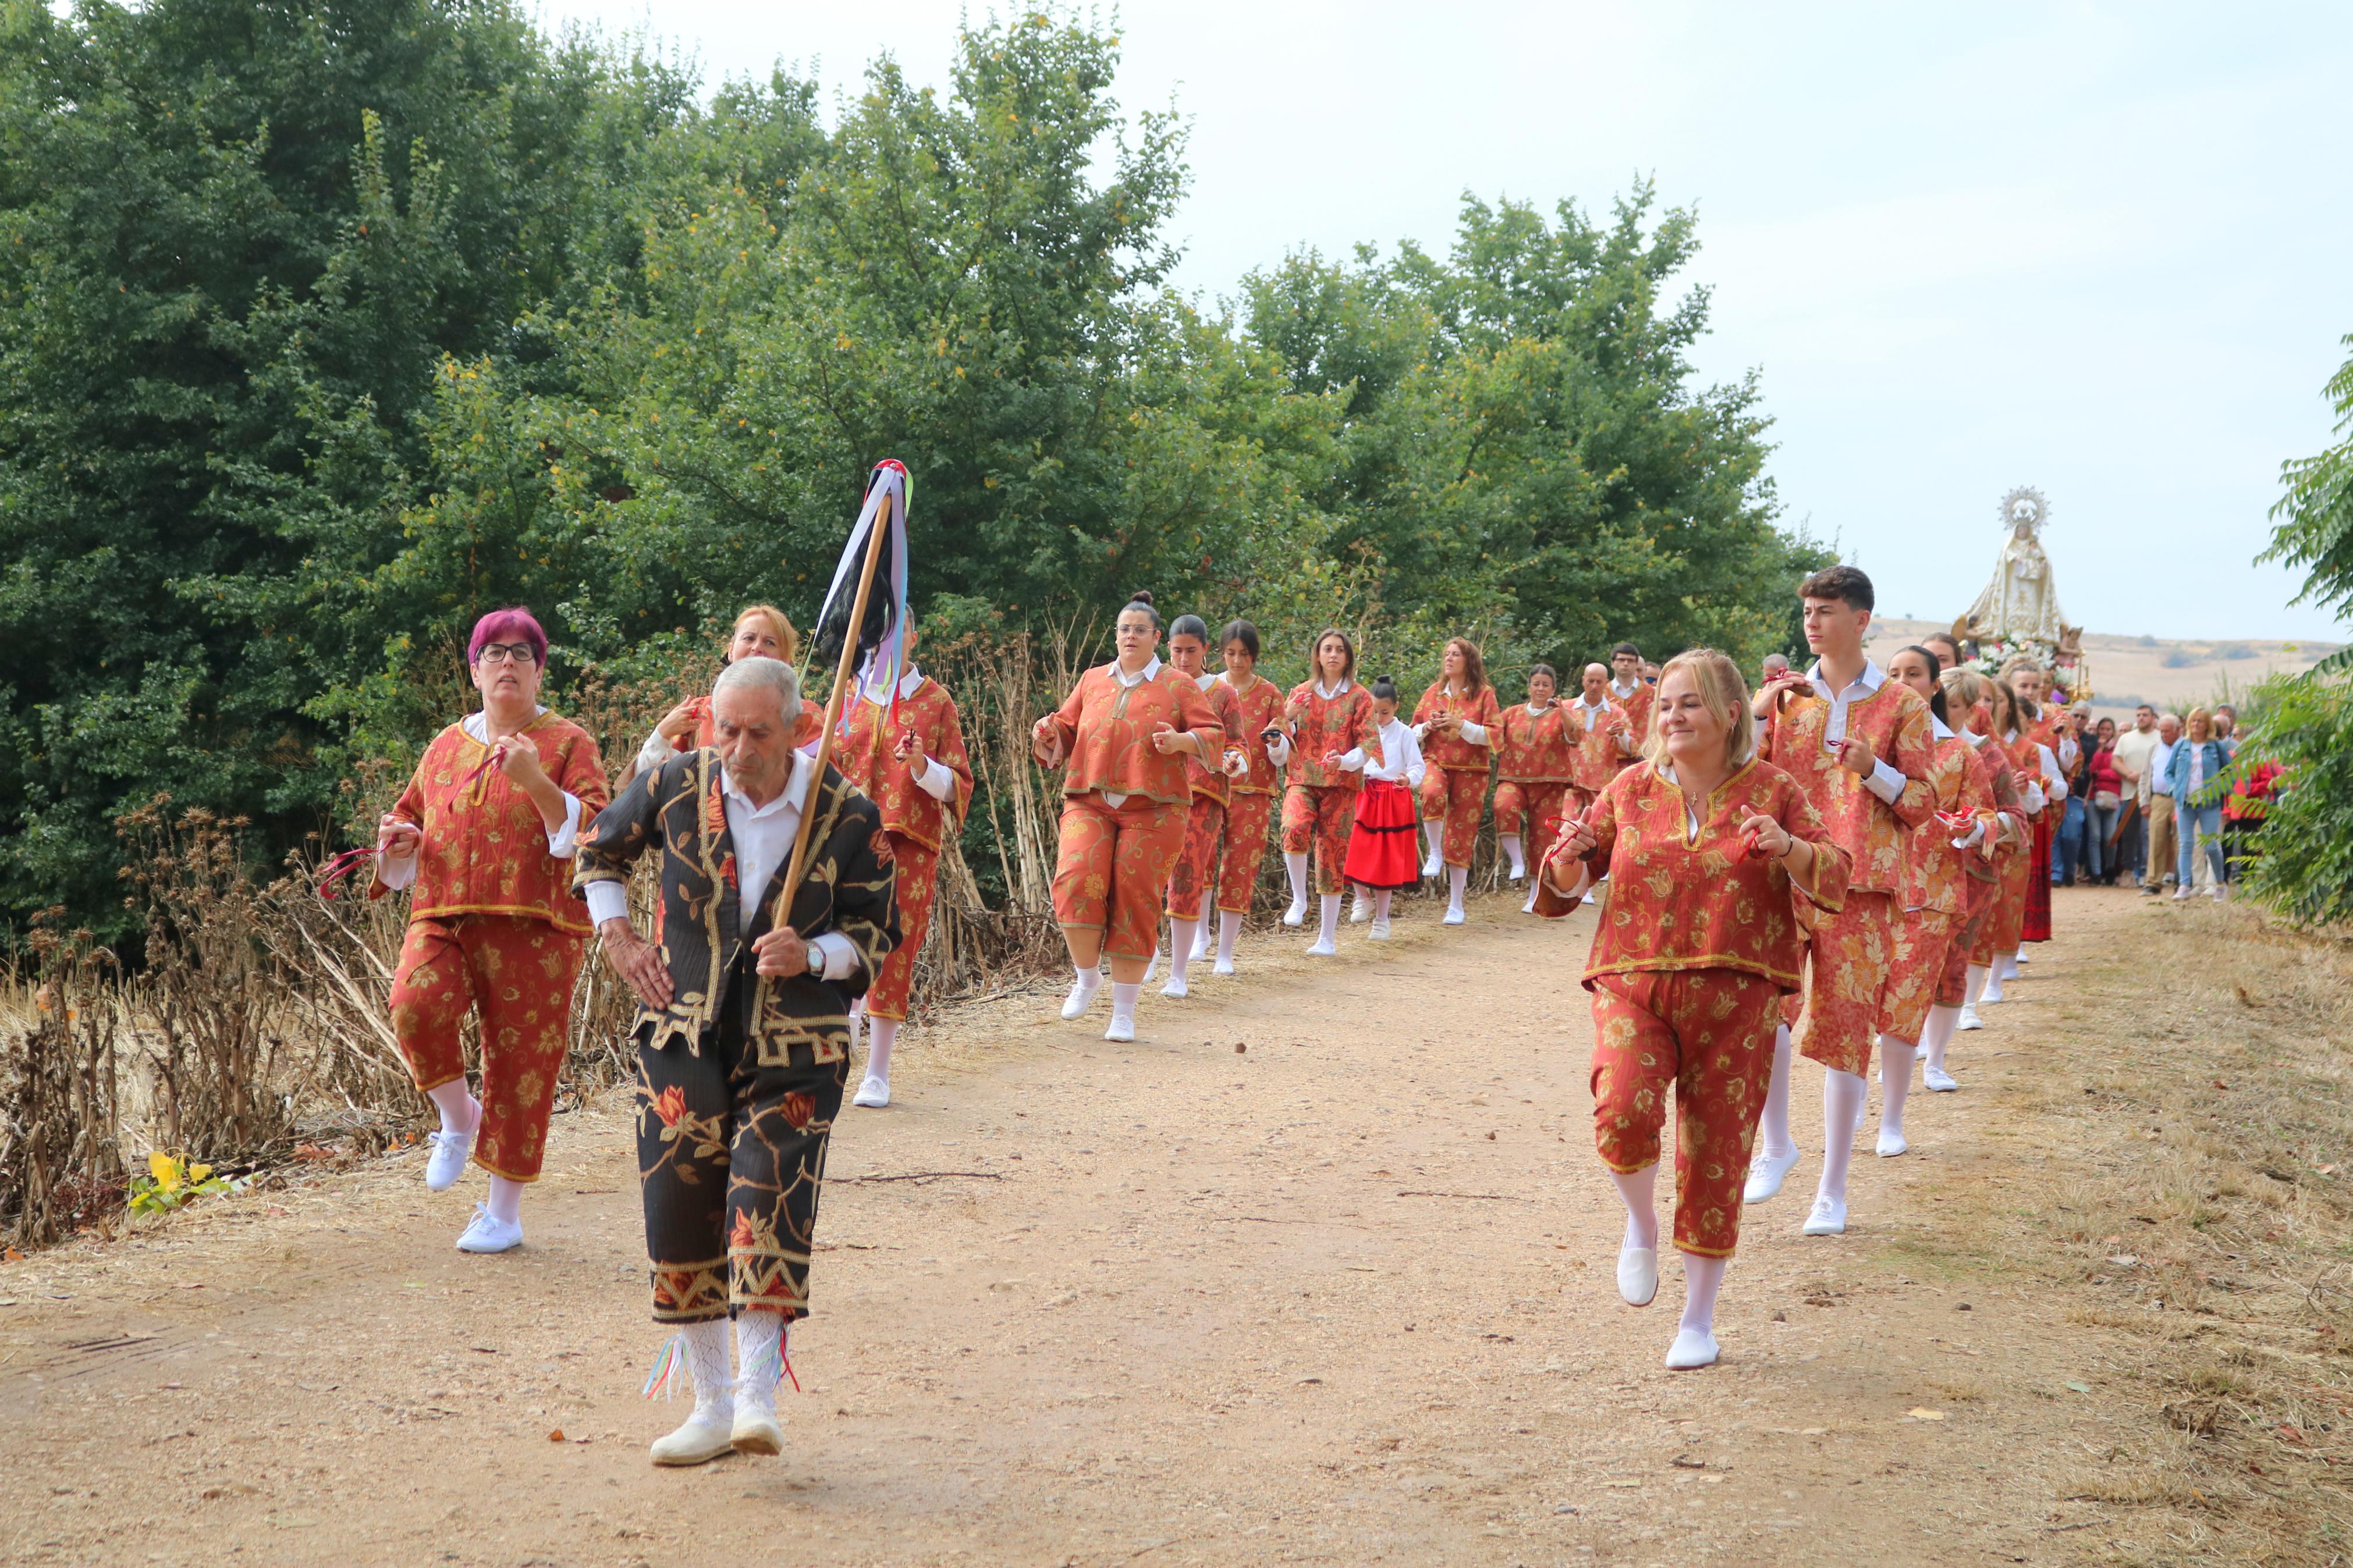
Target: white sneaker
<point>490,1233</point>
<point>1519,873</point>
<point>1177,988</point>
<point>2180,894</point>
<point>1766,1174</point>
<point>1380,932</point>
<point>1121,1028</point>
<point>1223,966</point>
<point>1589,898</point>
<point>874,1093</point>
<point>1968,1020</point>
<point>1081,998</point>
<point>1692,1348</point>
<point>1991,995</point>
<point>756,1431</point>
<point>1296,914</point>
<point>447,1163</point>
<point>1200,944</point>
<point>1940,1080</point>
<point>1638,1275</point>
<point>706,1434</point>
<point>1891,1144</point>
<point>1319,948</point>
<point>1828,1218</point>
<point>1433,866</point>
<point>1453,915</point>
<point>1359,912</point>
<point>1530,906</point>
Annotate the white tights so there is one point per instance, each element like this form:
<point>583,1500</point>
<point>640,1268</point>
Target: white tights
<point>1842,1097</point>
<point>1229,926</point>
<point>1703,1276</point>
<point>1779,1144</point>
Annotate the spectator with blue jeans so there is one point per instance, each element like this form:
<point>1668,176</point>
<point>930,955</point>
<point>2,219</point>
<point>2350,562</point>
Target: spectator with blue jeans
<point>2197,775</point>
<point>2164,850</point>
<point>2069,850</point>
<point>2104,805</point>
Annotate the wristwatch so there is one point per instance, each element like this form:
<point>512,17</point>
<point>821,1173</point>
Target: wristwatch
<point>816,960</point>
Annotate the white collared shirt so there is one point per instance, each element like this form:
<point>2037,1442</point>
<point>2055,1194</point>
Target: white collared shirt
<point>397,875</point>
<point>1139,678</point>
<point>1884,780</point>
<point>1401,760</point>
<point>764,838</point>
<point>1330,692</point>
<point>934,780</point>
<point>1623,692</point>
<point>1591,713</point>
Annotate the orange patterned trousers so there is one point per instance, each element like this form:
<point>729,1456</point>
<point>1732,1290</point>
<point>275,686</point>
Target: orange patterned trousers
<point>1456,795</point>
<point>1535,811</point>
<point>1923,937</point>
<point>1852,950</point>
<point>1320,817</point>
<point>1196,872</point>
<point>1246,820</point>
<point>2007,917</point>
<point>1111,868</point>
<point>519,972</point>
<point>1953,983</point>
<point>918,886</point>
<point>1708,1032</point>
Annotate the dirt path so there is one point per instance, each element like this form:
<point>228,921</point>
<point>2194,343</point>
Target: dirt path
<point>1344,1297</point>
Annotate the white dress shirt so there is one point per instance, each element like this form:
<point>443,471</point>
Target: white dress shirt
<point>396,875</point>
<point>1400,760</point>
<point>1590,715</point>
<point>1884,780</point>
<point>763,836</point>
<point>934,780</point>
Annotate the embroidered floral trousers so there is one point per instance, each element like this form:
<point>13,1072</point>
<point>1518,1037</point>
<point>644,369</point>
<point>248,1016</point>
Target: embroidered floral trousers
<point>1923,937</point>
<point>1953,979</point>
<point>2003,920</point>
<point>518,971</point>
<point>1534,812</point>
<point>1846,967</point>
<point>1196,872</point>
<point>1247,815</point>
<point>1708,1033</point>
<point>1321,817</point>
<point>1110,870</point>
<point>729,1158</point>
<point>1456,795</point>
<point>918,888</point>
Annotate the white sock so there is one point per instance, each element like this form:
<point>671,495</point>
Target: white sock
<point>1977,984</point>
<point>1381,904</point>
<point>1777,1143</point>
<point>882,1033</point>
<point>1942,1021</point>
<point>1180,946</point>
<point>1842,1097</point>
<point>1123,1001</point>
<point>1702,1277</point>
<point>1089,977</point>
<point>759,1360</point>
<point>1639,1190</point>
<point>1229,926</point>
<point>1511,843</point>
<point>1457,876</point>
<point>707,1363</point>
<point>1435,834</point>
<point>1895,1058</point>
<point>460,1111</point>
<point>1331,928</point>
<point>1994,977</point>
<point>1296,865</point>
<point>1201,937</point>
<point>506,1200</point>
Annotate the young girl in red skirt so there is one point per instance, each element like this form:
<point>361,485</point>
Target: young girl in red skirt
<point>1380,846</point>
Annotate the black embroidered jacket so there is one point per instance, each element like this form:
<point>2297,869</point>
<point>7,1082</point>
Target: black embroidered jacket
<point>703,933</point>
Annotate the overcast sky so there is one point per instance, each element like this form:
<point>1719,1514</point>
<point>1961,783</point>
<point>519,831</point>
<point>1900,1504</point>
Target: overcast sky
<point>2102,250</point>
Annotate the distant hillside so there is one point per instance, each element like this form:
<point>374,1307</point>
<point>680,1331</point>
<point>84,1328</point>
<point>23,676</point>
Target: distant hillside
<point>2128,671</point>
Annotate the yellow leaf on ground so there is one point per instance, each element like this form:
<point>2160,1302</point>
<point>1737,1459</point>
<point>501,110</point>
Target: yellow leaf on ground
<point>1919,1413</point>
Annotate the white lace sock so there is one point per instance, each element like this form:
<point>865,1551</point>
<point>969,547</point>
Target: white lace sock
<point>506,1200</point>
<point>706,1363</point>
<point>1511,845</point>
<point>882,1033</point>
<point>1777,1143</point>
<point>1639,1190</point>
<point>460,1111</point>
<point>1229,927</point>
<point>1295,866</point>
<point>1939,1034</point>
<point>1895,1058</point>
<point>1180,946</point>
<point>1331,928</point>
<point>759,1360</point>
<point>1842,1097</point>
<point>1123,1003</point>
<point>1457,878</point>
<point>1702,1277</point>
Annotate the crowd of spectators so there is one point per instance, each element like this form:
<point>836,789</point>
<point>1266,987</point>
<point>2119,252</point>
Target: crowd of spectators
<point>2156,804</point>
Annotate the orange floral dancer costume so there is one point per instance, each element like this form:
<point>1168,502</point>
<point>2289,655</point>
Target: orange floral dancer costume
<point>1853,951</point>
<point>917,822</point>
<point>1982,874</point>
<point>1319,810</point>
<point>1698,942</point>
<point>1195,873</point>
<point>1935,888</point>
<point>1600,756</point>
<point>1249,800</point>
<point>1454,790</point>
<point>1637,705</point>
<point>492,925</point>
<point>1124,802</point>
<point>1536,771</point>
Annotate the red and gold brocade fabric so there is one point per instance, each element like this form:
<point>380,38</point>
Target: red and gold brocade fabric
<point>1677,902</point>
<point>1638,708</point>
<point>485,849</point>
<point>1257,711</point>
<point>1452,751</point>
<point>1933,869</point>
<point>1599,755</point>
<point>1107,727</point>
<point>1318,724</point>
<point>867,753</point>
<point>706,729</point>
<point>1207,780</point>
<point>1539,747</point>
<point>1896,720</point>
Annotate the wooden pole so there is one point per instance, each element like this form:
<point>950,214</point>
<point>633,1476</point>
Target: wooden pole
<point>844,686</point>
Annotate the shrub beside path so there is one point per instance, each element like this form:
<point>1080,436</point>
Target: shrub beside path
<point>1344,1296</point>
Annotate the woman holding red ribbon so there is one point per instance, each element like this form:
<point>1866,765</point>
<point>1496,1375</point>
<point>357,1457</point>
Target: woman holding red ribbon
<point>1457,723</point>
<point>484,835</point>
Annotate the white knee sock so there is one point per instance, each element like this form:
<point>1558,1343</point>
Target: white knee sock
<point>1702,1277</point>
<point>1180,945</point>
<point>1229,926</point>
<point>1457,876</point>
<point>1331,930</point>
<point>1977,984</point>
<point>1942,1021</point>
<point>1842,1098</point>
<point>1201,935</point>
<point>460,1111</point>
<point>506,1199</point>
<point>759,1360</point>
<point>1993,977</point>
<point>1435,834</point>
<point>1776,1140</point>
<point>1895,1058</point>
<point>1639,1190</point>
<point>882,1033</point>
<point>1123,1001</point>
<point>1296,865</point>
<point>1381,904</point>
<point>1511,844</point>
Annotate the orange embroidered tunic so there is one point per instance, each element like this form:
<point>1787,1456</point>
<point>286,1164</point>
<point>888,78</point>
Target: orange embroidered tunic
<point>1257,711</point>
<point>485,849</point>
<point>1680,902</point>
<point>1638,705</point>
<point>1209,780</point>
<point>1452,751</point>
<point>2026,768</point>
<point>1318,724</point>
<point>1600,758</point>
<point>1993,764</point>
<point>1896,720</point>
<point>867,753</point>
<point>1107,726</point>
<point>1933,869</point>
<point>1539,747</point>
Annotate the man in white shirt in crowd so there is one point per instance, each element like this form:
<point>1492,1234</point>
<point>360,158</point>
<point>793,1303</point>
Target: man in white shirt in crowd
<point>2163,849</point>
<point>2132,753</point>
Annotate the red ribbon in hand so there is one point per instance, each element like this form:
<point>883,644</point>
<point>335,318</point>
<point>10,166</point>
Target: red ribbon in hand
<point>1957,821</point>
<point>340,867</point>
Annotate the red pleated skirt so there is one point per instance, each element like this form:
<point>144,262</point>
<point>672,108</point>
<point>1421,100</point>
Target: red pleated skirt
<point>2036,925</point>
<point>1382,852</point>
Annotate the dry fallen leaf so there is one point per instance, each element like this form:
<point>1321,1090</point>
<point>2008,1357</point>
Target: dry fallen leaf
<point>556,1435</point>
<point>1918,1413</point>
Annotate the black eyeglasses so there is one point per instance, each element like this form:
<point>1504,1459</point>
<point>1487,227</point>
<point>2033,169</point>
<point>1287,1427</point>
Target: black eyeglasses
<point>507,652</point>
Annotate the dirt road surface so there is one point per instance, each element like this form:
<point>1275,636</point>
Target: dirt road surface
<point>1343,1296</point>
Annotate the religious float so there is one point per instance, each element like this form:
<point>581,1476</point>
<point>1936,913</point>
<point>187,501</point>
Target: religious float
<point>2017,615</point>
